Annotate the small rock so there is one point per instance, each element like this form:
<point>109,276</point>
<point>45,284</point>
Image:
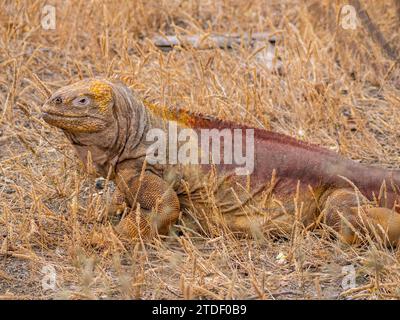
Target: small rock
<point>100,183</point>
<point>281,258</point>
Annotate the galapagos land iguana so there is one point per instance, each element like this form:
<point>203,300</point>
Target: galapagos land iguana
<point>291,180</point>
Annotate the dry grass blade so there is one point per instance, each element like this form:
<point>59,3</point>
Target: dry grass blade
<point>332,88</point>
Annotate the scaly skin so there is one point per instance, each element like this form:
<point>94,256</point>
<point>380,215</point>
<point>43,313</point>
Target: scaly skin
<point>292,180</point>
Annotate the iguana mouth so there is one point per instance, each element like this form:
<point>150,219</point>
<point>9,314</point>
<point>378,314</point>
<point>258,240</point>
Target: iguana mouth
<point>55,114</point>
<point>66,116</point>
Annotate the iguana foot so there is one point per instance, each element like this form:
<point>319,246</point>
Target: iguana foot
<point>352,217</point>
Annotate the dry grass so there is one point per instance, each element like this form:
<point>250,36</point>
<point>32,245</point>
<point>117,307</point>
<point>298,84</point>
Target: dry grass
<point>336,89</point>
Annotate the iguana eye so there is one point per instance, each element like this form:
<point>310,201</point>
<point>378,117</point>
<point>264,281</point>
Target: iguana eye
<point>81,101</point>
<point>58,100</point>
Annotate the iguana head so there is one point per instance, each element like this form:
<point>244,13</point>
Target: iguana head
<point>99,116</point>
<point>85,106</point>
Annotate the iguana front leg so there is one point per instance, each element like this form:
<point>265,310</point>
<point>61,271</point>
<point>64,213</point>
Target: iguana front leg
<point>159,205</point>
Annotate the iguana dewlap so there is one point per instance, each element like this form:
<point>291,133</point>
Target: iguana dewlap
<point>291,180</point>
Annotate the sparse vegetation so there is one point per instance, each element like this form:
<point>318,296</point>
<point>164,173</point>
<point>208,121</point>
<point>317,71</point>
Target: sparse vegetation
<point>335,88</point>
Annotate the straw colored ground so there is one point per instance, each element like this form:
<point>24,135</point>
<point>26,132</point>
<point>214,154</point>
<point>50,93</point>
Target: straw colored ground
<point>336,89</point>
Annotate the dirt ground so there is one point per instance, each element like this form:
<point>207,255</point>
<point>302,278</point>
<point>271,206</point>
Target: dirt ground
<point>326,84</point>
